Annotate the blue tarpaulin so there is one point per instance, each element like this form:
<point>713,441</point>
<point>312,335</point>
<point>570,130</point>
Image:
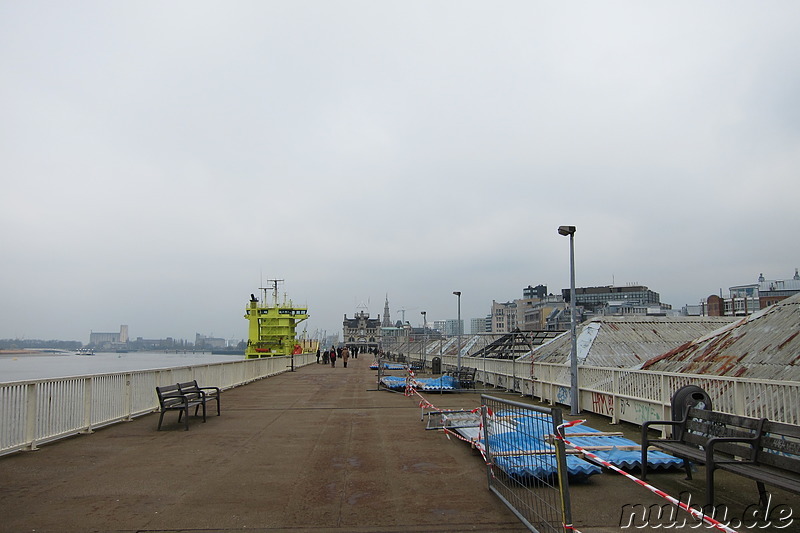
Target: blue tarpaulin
<point>426,384</point>
<point>521,446</point>
<point>389,366</point>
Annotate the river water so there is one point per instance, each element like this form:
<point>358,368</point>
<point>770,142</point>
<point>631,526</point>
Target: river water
<point>35,366</point>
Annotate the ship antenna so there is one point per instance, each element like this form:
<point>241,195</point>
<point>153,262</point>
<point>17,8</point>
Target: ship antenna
<point>274,290</point>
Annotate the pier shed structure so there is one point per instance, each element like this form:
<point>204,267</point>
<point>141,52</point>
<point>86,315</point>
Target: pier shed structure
<point>763,345</point>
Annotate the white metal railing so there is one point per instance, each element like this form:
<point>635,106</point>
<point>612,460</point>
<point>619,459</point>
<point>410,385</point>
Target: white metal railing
<point>37,411</point>
<point>637,395</point>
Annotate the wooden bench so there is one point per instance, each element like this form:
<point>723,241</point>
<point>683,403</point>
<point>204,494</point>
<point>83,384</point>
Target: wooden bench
<point>767,452</point>
<point>171,399</point>
<point>466,378</point>
<point>417,365</point>
<point>776,461</point>
<point>191,390</point>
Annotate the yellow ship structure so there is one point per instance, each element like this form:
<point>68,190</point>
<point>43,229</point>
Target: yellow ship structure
<point>272,327</point>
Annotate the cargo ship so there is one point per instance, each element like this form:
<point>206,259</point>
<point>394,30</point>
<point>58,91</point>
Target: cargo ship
<point>272,329</point>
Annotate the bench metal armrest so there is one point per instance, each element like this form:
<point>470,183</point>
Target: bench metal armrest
<point>673,423</point>
<point>182,397</point>
<point>713,441</point>
<point>647,424</point>
<point>754,442</point>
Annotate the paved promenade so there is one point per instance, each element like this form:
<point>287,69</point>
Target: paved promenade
<point>315,450</point>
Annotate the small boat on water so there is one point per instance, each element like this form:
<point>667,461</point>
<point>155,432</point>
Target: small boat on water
<point>85,351</point>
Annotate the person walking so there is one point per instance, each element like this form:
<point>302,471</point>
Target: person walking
<point>317,355</point>
<point>345,356</point>
<point>333,358</point>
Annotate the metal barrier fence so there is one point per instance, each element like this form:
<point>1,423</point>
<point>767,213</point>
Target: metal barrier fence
<point>34,412</point>
<point>526,469</point>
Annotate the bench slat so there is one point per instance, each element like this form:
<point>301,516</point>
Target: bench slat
<point>769,476</point>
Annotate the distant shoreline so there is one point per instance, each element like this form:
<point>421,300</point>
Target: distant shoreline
<point>33,351</point>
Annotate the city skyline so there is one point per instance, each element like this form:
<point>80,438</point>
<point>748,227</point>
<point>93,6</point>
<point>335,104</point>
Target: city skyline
<point>394,313</point>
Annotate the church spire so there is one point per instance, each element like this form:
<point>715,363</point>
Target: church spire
<point>387,322</point>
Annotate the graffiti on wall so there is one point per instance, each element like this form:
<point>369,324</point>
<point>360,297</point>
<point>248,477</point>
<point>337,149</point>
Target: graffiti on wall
<point>562,395</point>
<point>636,411</point>
<point>603,404</point>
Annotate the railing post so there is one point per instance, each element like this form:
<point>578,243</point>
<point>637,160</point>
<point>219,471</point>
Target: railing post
<point>31,415</point>
<point>738,399</point>
<point>615,396</point>
<point>88,386</point>
<point>128,397</point>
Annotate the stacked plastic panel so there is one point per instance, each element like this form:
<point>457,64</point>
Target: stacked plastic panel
<point>617,450</point>
<point>522,447</point>
<point>388,366</point>
<point>519,448</point>
<point>425,384</point>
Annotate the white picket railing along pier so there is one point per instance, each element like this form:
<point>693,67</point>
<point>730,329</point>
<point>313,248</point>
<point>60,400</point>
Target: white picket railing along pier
<point>637,395</point>
<point>38,411</point>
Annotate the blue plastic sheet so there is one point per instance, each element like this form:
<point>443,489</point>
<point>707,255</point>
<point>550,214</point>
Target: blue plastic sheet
<point>521,447</point>
<point>426,384</point>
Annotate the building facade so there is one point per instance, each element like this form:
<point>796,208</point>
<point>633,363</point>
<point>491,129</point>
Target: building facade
<point>451,327</point>
<point>593,299</point>
<point>504,317</point>
<point>109,340</point>
<point>202,341</point>
<point>746,299</point>
<point>362,332</point>
<point>478,325</point>
<point>529,313</point>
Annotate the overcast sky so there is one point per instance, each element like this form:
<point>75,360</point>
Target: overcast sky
<point>159,161</point>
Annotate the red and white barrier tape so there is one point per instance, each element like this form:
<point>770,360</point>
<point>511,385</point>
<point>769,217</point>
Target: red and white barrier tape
<point>694,512</point>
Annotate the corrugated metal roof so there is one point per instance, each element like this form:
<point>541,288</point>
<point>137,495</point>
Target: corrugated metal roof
<point>764,345</point>
<point>626,342</point>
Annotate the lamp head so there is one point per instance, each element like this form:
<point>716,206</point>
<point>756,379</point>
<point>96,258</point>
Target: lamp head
<point>457,293</point>
<point>566,230</point>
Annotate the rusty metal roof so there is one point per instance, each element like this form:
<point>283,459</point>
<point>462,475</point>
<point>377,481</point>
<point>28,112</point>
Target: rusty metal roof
<point>626,342</point>
<point>764,345</point>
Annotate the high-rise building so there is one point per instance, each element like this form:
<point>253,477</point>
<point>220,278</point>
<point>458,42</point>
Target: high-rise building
<point>477,325</point>
<point>592,299</point>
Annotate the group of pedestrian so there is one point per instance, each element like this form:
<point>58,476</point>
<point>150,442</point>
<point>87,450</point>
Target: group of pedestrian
<point>331,355</point>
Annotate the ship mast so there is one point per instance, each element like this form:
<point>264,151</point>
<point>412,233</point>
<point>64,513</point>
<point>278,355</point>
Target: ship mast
<point>274,288</point>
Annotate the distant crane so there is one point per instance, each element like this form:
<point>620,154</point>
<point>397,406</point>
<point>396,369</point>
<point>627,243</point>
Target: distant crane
<point>403,312</point>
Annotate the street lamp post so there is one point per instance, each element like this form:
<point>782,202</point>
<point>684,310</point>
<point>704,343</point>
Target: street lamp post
<point>458,325</point>
<point>573,355</point>
<point>424,335</point>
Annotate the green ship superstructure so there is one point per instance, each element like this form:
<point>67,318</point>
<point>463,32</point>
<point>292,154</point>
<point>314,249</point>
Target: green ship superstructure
<point>272,327</point>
